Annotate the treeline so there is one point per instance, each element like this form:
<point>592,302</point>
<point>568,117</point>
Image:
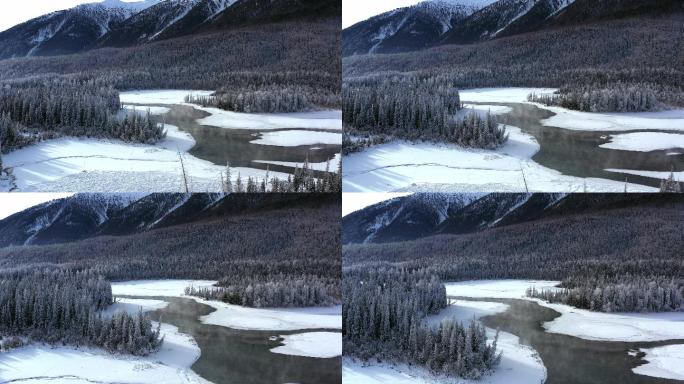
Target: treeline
<point>414,108</point>
<point>34,109</point>
<point>60,305</point>
<point>622,293</point>
<point>613,98</point>
<point>272,291</point>
<point>302,180</point>
<point>383,313</point>
<point>268,99</point>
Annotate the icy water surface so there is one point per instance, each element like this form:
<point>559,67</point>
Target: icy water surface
<point>221,145</point>
<point>577,153</point>
<point>568,359</point>
<point>232,356</point>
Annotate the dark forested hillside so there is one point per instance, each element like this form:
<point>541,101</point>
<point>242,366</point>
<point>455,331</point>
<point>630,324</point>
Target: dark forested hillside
<point>242,240</point>
<point>587,242</point>
<point>637,50</point>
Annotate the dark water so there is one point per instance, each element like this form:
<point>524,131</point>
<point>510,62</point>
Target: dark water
<point>577,153</point>
<point>221,145</point>
<point>242,357</point>
<point>571,360</point>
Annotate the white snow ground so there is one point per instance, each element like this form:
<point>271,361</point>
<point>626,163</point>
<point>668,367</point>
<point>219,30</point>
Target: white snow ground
<point>82,164</point>
<point>634,327</point>
<point>500,95</point>
<point>133,306</point>
<point>645,141</point>
<point>168,288</point>
<point>293,138</point>
<point>301,120</point>
<point>403,166</point>
<point>311,344</point>
<point>272,319</point>
<point>334,163</point>
<point>62,365</point>
<point>163,96</point>
<point>589,121</point>
<point>520,364</point>
<point>235,316</point>
<point>143,109</point>
<point>666,362</point>
<point>652,174</point>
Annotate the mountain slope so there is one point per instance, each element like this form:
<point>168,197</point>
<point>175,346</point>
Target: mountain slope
<point>422,215</point>
<point>251,12</point>
<point>406,29</point>
<point>67,31</point>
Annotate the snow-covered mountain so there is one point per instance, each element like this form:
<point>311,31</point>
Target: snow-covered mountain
<point>168,19</point>
<point>85,215</point>
<point>505,17</point>
<point>68,31</point>
<point>425,214</point>
<point>409,28</point>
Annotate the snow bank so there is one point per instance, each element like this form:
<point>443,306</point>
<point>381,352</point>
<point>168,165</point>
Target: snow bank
<point>272,319</point>
<point>645,141</point>
<point>133,306</point>
<point>303,120</point>
<point>483,109</point>
<point>652,174</point>
<point>93,165</point>
<point>502,289</point>
<point>632,327</point>
<point>334,163</point>
<point>519,365</point>
<point>42,363</point>
<point>164,96</point>
<point>295,138</point>
<point>311,344</point>
<point>590,121</point>
<point>143,109</point>
<point>235,316</point>
<point>402,166</point>
<point>666,362</point>
<point>466,311</point>
<point>167,288</point>
<point>500,95</point>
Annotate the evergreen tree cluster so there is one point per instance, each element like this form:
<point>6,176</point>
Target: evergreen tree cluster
<point>266,99</point>
<point>60,305</point>
<point>272,291</point>
<point>303,179</point>
<point>624,293</point>
<point>35,109</point>
<point>414,108</point>
<point>384,309</point>
<point>614,98</point>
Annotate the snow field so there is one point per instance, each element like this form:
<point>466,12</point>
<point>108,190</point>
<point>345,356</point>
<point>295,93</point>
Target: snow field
<point>82,164</point>
<point>334,163</point>
<point>133,306</point>
<point>143,109</point>
<point>169,288</point>
<point>666,362</point>
<point>41,363</point>
<point>311,344</point>
<point>302,120</point>
<point>165,96</point>
<point>653,174</point>
<point>295,138</point>
<point>645,141</point>
<point>627,121</point>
